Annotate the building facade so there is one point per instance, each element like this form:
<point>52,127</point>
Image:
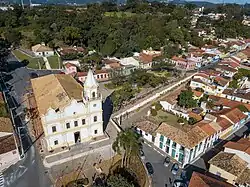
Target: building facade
<point>70,114</point>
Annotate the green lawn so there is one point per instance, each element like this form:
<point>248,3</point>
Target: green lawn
<point>54,61</point>
<point>34,62</point>
<point>119,14</point>
<point>166,117</point>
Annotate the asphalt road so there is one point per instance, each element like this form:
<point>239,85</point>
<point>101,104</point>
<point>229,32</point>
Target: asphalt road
<point>161,173</point>
<point>28,172</point>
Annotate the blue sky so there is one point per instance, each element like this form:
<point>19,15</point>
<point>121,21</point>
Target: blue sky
<point>226,1</point>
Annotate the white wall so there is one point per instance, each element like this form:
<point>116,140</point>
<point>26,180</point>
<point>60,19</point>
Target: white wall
<point>145,135</point>
<point>75,111</point>
<point>46,53</point>
<point>8,159</point>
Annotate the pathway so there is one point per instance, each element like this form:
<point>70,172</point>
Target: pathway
<point>47,65</point>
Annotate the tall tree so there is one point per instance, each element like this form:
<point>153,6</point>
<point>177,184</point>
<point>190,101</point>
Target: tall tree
<point>127,143</point>
<point>4,52</point>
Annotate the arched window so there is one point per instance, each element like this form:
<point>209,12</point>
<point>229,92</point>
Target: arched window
<point>93,94</point>
<point>95,118</point>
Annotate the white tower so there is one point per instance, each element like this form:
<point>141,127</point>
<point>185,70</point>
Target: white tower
<point>91,87</point>
<point>93,101</point>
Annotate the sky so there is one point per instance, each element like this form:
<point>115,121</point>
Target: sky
<point>226,1</point>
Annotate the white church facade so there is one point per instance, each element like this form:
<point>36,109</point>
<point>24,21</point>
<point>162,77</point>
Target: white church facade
<point>70,114</point>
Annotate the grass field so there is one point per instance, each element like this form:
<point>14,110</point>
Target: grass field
<point>34,62</point>
<point>54,61</point>
<point>119,14</point>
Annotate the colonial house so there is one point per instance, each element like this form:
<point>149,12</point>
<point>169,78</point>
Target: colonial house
<point>100,75</point>
<point>9,153</point>
<point>241,95</point>
<point>146,58</point>
<point>202,180</point>
<point>185,143</point>
<point>184,64</point>
<point>233,164</point>
<point>70,68</point>
<point>41,50</point>
<point>69,113</point>
<point>226,70</point>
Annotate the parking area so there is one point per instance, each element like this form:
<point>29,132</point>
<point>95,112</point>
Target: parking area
<point>162,176</point>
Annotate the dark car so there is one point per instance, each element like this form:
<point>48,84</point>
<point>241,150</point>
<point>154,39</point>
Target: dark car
<point>142,155</point>
<point>166,161</point>
<point>175,169</point>
<point>150,168</point>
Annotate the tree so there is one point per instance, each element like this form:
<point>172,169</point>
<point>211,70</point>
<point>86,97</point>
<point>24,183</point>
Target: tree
<point>158,106</point>
<point>4,52</point>
<point>118,181</point>
<point>153,112</point>
<point>192,121</point>
<point>71,35</point>
<point>185,99</point>
<point>127,143</point>
<point>13,36</point>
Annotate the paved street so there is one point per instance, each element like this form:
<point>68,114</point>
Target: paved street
<point>161,173</point>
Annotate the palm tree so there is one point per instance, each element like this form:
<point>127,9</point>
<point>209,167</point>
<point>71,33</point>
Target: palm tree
<point>127,144</point>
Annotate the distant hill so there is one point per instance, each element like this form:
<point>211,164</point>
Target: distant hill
<point>197,3</point>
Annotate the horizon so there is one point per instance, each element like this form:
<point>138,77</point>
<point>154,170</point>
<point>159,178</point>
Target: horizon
<point>225,1</point>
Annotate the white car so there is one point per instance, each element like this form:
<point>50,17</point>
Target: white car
<point>166,161</point>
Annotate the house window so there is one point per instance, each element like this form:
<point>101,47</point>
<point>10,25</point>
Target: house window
<point>54,129</point>
<point>76,123</point>
<point>95,131</point>
<point>161,145</point>
<point>97,76</point>
<point>95,118</point>
<point>174,145</point>
<point>199,146</point>
<point>190,156</point>
<point>167,149</point>
<point>168,141</point>
<point>146,134</point>
<point>173,153</point>
<point>93,94</point>
<point>83,121</point>
<point>67,125</point>
<point>101,76</point>
<point>161,138</point>
<point>94,105</point>
<point>56,142</point>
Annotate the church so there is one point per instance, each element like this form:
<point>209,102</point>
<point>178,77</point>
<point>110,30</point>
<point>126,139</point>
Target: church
<point>70,114</point>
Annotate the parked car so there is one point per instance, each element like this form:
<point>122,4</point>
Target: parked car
<point>175,168</point>
<point>142,155</point>
<point>166,161</point>
<point>149,168</point>
<point>179,183</point>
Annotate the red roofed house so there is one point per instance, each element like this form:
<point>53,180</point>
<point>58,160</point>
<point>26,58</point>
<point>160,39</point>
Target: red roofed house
<point>183,63</point>
<point>200,180</point>
<point>146,58</point>
<point>241,148</point>
<point>100,75</point>
<point>70,68</point>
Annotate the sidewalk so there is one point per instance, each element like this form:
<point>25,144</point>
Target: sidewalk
<point>47,65</point>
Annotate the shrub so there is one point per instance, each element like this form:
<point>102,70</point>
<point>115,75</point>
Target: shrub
<point>153,112</point>
<point>158,106</point>
<point>180,120</point>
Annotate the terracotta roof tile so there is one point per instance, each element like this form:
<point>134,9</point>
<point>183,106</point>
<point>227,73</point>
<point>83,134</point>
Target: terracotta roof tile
<point>206,127</point>
<point>229,162</point>
<point>7,143</point>
<point>147,126</point>
<point>200,180</point>
<point>235,115</point>
<point>197,93</point>
<point>224,123</point>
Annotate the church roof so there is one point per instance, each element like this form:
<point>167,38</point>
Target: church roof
<point>55,91</point>
<point>90,80</point>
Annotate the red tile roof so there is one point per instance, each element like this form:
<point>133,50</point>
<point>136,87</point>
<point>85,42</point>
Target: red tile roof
<point>68,65</point>
<point>204,75</point>
<point>221,81</point>
<point>235,115</point>
<point>242,145</point>
<point>200,180</point>
<point>205,126</point>
<point>197,93</point>
<point>224,123</point>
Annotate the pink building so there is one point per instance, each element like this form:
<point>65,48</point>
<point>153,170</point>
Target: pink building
<point>70,68</point>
